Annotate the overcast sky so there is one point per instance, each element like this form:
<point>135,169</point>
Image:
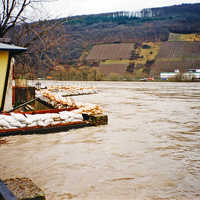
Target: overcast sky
<point>65,8</point>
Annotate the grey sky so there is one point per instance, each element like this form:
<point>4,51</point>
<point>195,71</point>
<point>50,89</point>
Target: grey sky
<point>64,8</point>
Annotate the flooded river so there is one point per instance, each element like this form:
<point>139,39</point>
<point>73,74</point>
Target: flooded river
<point>150,150</point>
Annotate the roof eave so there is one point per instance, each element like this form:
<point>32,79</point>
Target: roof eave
<point>14,51</point>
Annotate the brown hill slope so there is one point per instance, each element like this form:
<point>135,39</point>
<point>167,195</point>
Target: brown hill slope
<point>175,50</point>
<point>176,55</point>
<point>111,52</point>
<point>113,68</point>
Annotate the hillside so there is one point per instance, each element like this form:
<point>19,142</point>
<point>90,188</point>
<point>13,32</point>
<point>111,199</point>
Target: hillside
<point>111,58</point>
<point>180,55</point>
<point>113,68</point>
<point>67,41</point>
<point>110,52</point>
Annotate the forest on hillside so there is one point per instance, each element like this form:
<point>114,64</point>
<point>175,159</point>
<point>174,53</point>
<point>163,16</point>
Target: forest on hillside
<point>66,41</point>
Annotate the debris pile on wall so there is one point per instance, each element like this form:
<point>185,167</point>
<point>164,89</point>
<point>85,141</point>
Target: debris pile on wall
<point>57,100</point>
<point>70,90</point>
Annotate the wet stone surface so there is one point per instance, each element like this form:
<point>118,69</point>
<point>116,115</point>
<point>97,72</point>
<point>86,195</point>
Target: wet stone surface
<point>97,120</point>
<point>3,141</point>
<point>24,189</point>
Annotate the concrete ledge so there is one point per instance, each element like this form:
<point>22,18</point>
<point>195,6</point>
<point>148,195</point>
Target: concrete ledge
<point>24,189</point>
<point>44,130</point>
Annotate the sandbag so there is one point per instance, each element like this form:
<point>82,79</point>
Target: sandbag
<point>4,124</point>
<point>19,117</point>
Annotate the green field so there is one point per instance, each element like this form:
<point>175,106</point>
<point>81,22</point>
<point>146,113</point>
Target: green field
<point>184,37</point>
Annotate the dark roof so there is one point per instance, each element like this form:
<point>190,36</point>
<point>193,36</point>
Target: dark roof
<point>11,48</point>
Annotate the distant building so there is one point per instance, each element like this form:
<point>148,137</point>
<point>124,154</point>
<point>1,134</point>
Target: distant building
<point>167,75</point>
<point>188,75</point>
<point>192,74</point>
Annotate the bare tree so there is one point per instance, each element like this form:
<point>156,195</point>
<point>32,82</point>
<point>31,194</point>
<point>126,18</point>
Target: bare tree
<point>38,37</point>
<point>12,12</point>
<point>44,41</point>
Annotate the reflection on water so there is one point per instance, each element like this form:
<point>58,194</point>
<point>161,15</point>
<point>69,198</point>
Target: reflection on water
<point>149,150</point>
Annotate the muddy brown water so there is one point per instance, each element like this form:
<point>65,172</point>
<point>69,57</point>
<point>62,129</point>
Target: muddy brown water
<point>150,150</point>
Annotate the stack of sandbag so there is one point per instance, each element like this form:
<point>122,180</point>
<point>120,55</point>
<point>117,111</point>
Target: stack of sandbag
<point>18,120</point>
<point>87,108</point>
<point>58,101</point>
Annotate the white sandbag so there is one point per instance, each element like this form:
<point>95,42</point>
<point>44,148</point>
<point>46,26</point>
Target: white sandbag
<point>76,116</point>
<point>33,124</point>
<point>47,116</point>
<point>55,115</point>
<point>29,121</point>
<point>79,116</point>
<point>56,122</point>
<point>15,123</point>
<point>48,121</point>
<point>78,111</point>
<point>2,116</point>
<point>41,123</point>
<point>39,117</point>
<point>4,124</point>
<point>30,118</point>
<point>12,121</point>
<point>65,115</point>
<point>19,117</point>
<point>74,120</point>
<point>45,123</point>
<point>9,118</point>
<point>23,125</point>
<point>35,117</point>
<point>67,120</point>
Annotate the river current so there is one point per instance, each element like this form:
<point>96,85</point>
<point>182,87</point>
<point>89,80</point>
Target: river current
<point>150,150</point>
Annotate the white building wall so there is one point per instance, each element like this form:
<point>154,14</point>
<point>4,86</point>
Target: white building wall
<point>166,75</point>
